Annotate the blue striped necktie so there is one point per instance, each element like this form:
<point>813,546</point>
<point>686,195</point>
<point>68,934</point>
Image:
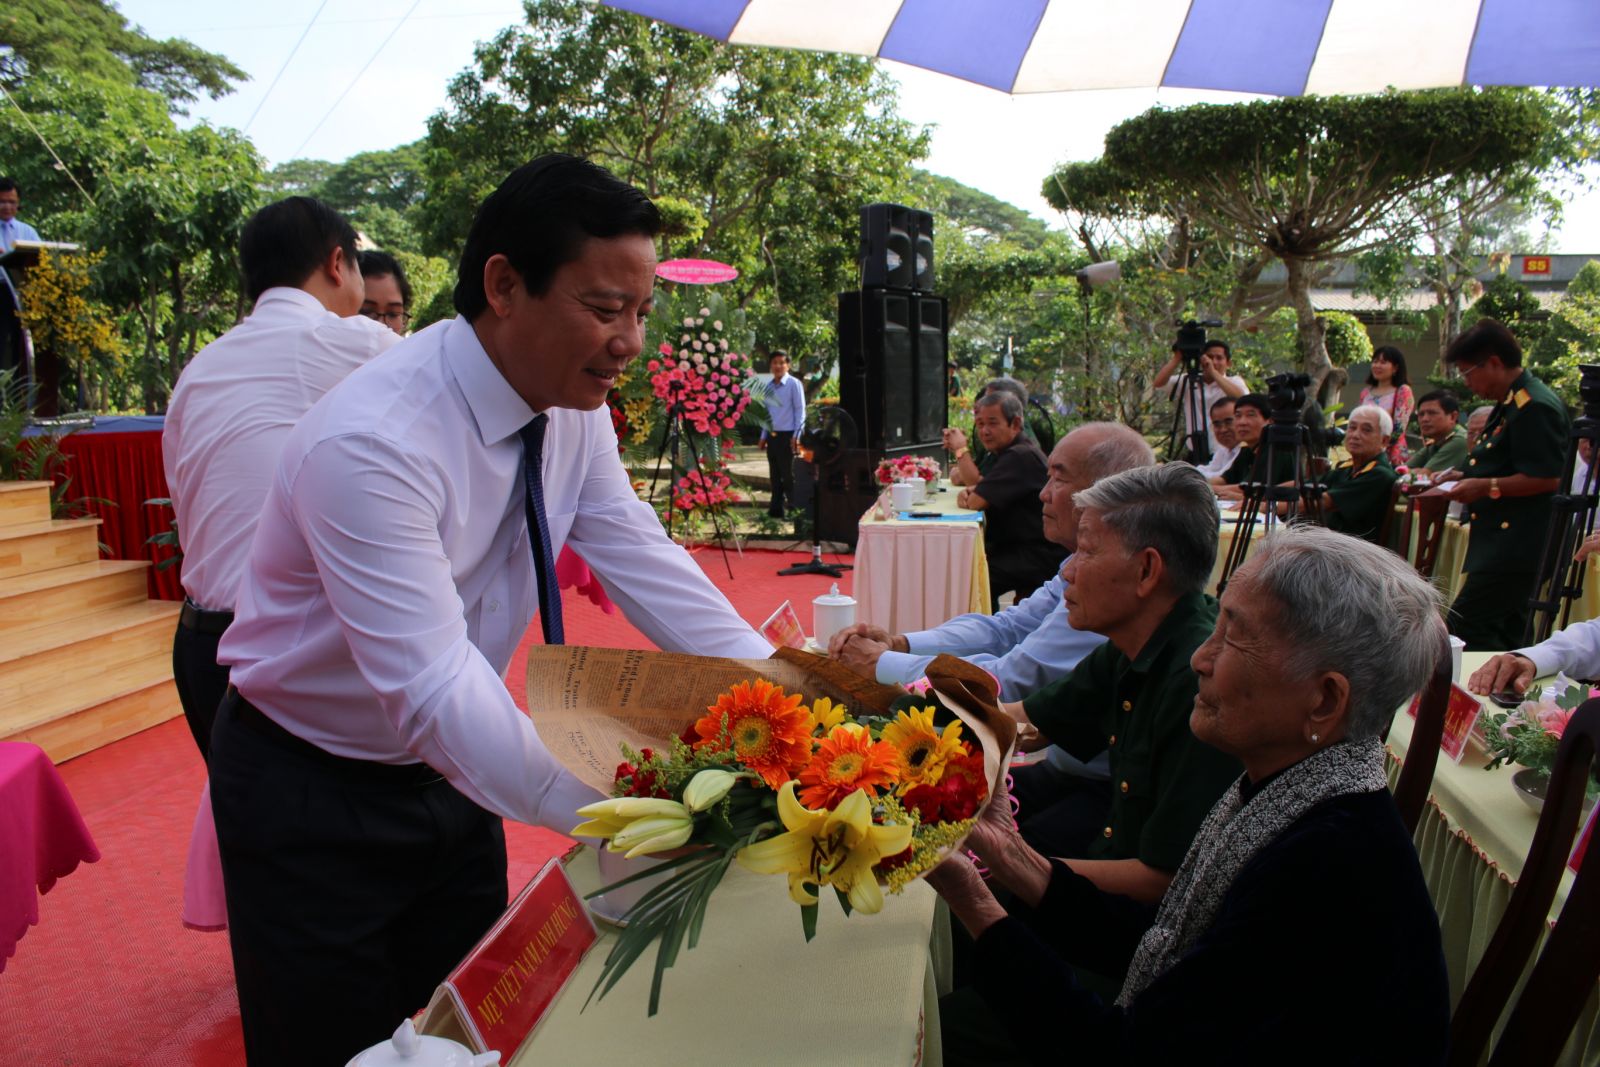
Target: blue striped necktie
<point>544,562</point>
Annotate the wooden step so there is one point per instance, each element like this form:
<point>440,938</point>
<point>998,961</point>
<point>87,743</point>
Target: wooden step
<point>86,638</point>
<point>24,502</point>
<point>120,663</point>
<point>44,597</point>
<point>41,546</point>
<point>87,728</point>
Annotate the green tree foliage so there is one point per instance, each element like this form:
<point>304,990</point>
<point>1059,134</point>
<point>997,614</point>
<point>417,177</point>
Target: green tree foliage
<point>91,39</point>
<point>774,151</point>
<point>163,205</point>
<point>1307,180</point>
<point>1346,338</point>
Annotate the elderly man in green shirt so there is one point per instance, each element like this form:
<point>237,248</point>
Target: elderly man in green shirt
<point>1147,540</point>
<point>1444,438</point>
<point>1359,490</point>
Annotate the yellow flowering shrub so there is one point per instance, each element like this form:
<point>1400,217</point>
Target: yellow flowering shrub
<point>62,318</point>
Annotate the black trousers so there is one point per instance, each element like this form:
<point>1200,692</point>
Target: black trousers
<point>1490,610</point>
<point>1059,814</point>
<point>353,888</point>
<point>201,682</point>
<point>780,469</point>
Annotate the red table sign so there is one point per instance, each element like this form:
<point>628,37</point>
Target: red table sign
<point>497,995</point>
<point>1459,719</point>
<point>1536,264</point>
<point>1576,860</point>
<point>696,271</point>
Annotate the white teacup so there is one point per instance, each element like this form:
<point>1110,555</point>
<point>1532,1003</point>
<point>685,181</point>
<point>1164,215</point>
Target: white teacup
<point>902,496</point>
<point>614,867</point>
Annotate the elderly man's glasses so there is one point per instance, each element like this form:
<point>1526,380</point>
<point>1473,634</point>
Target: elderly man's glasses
<point>390,318</point>
<point>1222,423</point>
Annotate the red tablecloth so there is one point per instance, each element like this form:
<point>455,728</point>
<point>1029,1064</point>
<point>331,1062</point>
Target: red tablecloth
<point>42,838</point>
<point>119,472</point>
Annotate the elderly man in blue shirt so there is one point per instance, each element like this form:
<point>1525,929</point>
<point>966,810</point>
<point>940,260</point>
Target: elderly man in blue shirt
<point>1028,644</point>
<point>786,417</point>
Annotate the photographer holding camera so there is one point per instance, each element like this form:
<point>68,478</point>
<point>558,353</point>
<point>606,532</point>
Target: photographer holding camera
<point>1216,358</point>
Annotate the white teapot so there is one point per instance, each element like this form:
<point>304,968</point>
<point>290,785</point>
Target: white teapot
<point>407,1048</point>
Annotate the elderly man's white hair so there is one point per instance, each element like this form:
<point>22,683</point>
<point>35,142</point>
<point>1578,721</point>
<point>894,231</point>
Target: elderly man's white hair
<point>1385,420</point>
<point>1343,604</point>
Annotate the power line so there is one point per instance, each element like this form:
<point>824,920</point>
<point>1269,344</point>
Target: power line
<point>47,147</point>
<point>260,103</point>
<point>356,79</point>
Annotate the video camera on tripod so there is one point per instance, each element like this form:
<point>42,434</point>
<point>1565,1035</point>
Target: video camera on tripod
<point>1300,494</point>
<point>1190,344</point>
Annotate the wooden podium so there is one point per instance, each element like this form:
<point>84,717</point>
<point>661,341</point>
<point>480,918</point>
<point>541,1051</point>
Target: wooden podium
<point>41,371</point>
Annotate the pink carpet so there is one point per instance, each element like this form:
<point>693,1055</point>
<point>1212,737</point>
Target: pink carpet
<point>111,978</point>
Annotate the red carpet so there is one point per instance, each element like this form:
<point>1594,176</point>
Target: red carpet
<point>111,978</point>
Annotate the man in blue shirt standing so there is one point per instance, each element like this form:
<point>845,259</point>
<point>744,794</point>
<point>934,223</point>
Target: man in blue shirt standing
<point>786,417</point>
<point>12,230</point>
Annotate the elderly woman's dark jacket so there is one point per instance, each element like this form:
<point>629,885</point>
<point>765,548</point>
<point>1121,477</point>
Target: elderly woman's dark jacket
<point>1325,950</point>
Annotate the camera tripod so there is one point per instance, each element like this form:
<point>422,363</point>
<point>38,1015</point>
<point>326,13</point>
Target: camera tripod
<point>1285,434</point>
<point>671,442</point>
<point>1197,442</point>
<point>1560,579</point>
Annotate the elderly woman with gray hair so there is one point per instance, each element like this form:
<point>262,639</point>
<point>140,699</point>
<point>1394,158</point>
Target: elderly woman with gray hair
<point>1298,928</point>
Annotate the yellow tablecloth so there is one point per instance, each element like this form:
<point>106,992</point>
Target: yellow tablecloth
<point>753,991</point>
<point>915,574</point>
<point>1473,839</point>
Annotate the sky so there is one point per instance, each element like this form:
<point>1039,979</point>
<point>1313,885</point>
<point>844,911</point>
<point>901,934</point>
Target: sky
<point>330,78</point>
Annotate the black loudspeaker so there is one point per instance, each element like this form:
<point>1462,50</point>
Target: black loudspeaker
<point>848,486</point>
<point>896,248</point>
<point>892,374</point>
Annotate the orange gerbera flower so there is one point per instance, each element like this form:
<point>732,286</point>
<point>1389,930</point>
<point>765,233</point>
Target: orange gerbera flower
<point>768,731</point>
<point>847,759</point>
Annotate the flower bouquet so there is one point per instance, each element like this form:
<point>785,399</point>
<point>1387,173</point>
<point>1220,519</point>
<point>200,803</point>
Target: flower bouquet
<point>1530,733</point>
<point>899,467</point>
<point>838,794</point>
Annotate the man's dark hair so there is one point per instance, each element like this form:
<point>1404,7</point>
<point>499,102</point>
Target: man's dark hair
<point>1219,402</point>
<point>1214,343</point>
<point>1008,385</point>
<point>1253,400</point>
<point>375,264</point>
<point>9,185</point>
<point>1444,398</point>
<point>777,354</point>
<point>539,218</point>
<point>284,242</point>
<point>1484,339</point>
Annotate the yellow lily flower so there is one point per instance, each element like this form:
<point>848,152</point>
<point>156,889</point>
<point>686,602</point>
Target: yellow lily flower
<point>837,848</point>
<point>607,818</point>
<point>708,787</point>
<point>657,833</point>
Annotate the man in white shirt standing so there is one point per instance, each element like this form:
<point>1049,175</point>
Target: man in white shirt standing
<point>235,404</point>
<point>12,230</point>
<point>1215,362</point>
<point>362,764</point>
<point>786,412</point>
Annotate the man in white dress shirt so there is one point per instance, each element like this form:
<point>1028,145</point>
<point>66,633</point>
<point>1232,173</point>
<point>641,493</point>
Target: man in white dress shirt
<point>235,404</point>
<point>1226,449</point>
<point>363,763</point>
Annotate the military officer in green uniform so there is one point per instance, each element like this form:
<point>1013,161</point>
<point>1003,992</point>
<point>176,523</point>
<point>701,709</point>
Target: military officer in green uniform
<point>1358,490</point>
<point>1510,477</point>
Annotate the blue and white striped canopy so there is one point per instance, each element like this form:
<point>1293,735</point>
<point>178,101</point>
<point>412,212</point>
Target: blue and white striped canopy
<point>1278,47</point>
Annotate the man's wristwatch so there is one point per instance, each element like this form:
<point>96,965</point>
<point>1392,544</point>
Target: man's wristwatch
<point>1494,488</point>
<point>963,452</point>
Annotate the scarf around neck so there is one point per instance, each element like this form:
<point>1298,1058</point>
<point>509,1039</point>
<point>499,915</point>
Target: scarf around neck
<point>1231,836</point>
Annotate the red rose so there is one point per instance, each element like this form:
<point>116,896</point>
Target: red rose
<point>926,801</point>
<point>958,798</point>
<point>899,859</point>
